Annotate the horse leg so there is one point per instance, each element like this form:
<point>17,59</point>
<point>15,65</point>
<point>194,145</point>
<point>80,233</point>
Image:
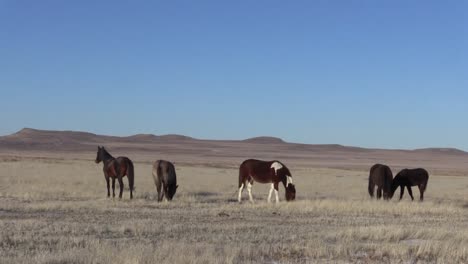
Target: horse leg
<point>131,178</point>
<point>370,188</point>
<point>130,184</point>
<point>157,183</point>
<point>379,193</point>
<point>241,188</point>
<point>108,186</point>
<point>158,188</point>
<point>113,187</point>
<point>163,193</point>
<point>421,193</point>
<point>249,190</point>
<point>121,187</point>
<point>276,192</point>
<point>402,190</point>
<point>271,192</point>
<point>410,192</point>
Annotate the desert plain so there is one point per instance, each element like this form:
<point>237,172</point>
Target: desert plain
<point>54,206</point>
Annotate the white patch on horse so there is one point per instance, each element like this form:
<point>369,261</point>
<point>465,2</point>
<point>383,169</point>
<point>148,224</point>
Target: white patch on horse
<point>271,192</point>
<point>240,192</point>
<point>249,190</point>
<point>276,166</point>
<point>288,180</point>
<point>276,194</point>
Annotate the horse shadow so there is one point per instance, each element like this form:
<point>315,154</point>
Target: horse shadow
<point>204,194</point>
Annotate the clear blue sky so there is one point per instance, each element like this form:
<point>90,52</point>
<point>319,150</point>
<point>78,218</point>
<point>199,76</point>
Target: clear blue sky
<point>388,74</point>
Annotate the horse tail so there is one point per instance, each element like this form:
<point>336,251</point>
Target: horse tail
<point>160,169</point>
<point>241,175</point>
<point>424,185</point>
<point>156,168</point>
<point>370,188</point>
<point>131,177</point>
<point>388,181</point>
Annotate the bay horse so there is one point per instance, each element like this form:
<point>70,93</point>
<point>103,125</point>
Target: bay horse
<point>116,168</point>
<point>411,177</point>
<point>380,175</point>
<point>272,172</point>
<point>164,175</point>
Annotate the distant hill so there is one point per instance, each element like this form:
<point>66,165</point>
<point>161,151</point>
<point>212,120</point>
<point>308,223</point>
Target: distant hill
<point>34,139</point>
<point>147,147</point>
<point>29,138</point>
<point>451,151</point>
<point>265,140</point>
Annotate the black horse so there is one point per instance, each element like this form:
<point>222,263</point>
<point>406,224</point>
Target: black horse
<point>164,175</point>
<point>116,168</point>
<point>411,177</point>
<point>382,176</point>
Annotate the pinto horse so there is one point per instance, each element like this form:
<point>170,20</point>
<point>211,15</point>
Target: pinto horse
<point>260,171</point>
<point>411,177</point>
<point>116,168</point>
<point>382,176</point>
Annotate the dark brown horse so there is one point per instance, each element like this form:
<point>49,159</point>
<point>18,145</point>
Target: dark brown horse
<point>411,177</point>
<point>272,172</point>
<point>116,168</point>
<point>382,176</point>
<point>164,175</point>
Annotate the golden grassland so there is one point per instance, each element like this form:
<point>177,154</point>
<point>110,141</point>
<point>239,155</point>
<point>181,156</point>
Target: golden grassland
<point>56,211</point>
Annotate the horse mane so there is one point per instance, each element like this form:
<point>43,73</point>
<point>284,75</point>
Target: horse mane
<point>106,154</point>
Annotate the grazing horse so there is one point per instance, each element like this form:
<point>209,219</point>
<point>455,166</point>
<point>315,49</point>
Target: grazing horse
<point>382,176</point>
<point>272,172</point>
<point>411,177</point>
<point>164,176</point>
<point>116,168</point>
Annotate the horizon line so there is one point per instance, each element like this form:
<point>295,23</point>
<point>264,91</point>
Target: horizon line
<point>239,140</point>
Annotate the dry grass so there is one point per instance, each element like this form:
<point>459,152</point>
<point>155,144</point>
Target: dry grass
<point>57,212</point>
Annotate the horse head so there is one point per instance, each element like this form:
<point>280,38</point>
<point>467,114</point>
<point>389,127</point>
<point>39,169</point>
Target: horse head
<point>170,191</point>
<point>397,180</point>
<point>290,192</point>
<point>392,190</point>
<point>99,154</point>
